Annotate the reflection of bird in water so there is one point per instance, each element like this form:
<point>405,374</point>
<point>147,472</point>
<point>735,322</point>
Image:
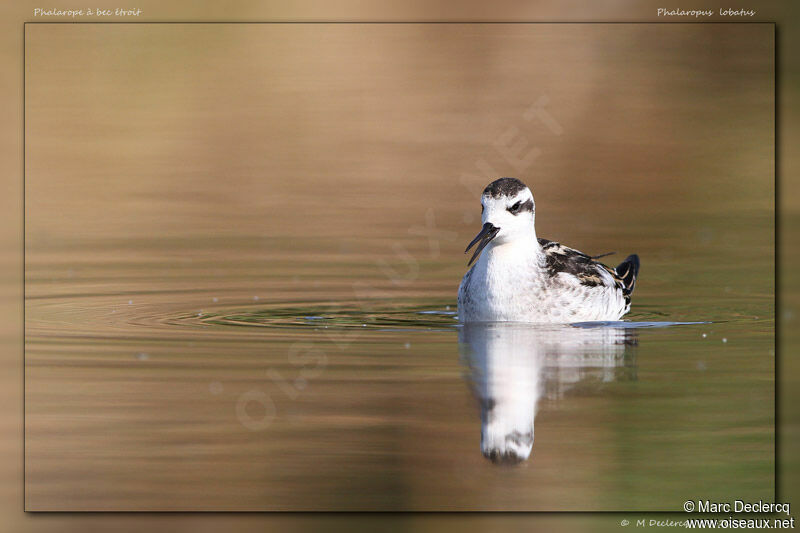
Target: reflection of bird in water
<point>513,365</point>
<point>521,278</point>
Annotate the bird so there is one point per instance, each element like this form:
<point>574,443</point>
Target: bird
<point>518,277</point>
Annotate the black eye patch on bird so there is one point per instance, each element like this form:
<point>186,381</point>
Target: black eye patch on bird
<point>520,206</point>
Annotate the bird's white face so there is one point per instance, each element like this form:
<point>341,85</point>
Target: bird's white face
<point>507,214</point>
<point>513,215</point>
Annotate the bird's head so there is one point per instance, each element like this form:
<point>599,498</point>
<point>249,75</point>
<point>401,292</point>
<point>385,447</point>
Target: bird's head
<point>507,214</point>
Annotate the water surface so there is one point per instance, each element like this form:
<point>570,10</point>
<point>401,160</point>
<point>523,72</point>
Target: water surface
<point>242,259</point>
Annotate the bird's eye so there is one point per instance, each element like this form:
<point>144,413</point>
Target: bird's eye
<point>514,208</point>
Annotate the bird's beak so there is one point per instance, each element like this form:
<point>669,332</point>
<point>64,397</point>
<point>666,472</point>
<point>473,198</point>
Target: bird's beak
<point>487,233</point>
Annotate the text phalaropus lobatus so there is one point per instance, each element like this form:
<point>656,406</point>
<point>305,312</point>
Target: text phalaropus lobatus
<point>520,278</point>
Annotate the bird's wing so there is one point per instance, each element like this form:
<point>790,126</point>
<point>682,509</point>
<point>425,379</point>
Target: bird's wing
<point>563,259</point>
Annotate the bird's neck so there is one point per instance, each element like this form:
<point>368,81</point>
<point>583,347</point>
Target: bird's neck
<point>519,250</point>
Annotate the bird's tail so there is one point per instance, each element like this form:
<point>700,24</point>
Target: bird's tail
<point>627,271</point>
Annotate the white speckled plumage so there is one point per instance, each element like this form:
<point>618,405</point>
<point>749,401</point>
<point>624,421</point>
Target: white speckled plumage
<point>520,278</point>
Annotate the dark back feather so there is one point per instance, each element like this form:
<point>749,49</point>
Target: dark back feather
<point>627,272</point>
<point>560,258</point>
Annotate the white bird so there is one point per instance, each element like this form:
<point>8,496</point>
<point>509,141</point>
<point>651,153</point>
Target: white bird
<point>520,278</point>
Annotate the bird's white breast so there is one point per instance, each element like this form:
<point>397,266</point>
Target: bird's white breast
<point>509,283</point>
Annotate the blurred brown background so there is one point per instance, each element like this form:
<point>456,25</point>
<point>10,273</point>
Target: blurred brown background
<point>479,134</point>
